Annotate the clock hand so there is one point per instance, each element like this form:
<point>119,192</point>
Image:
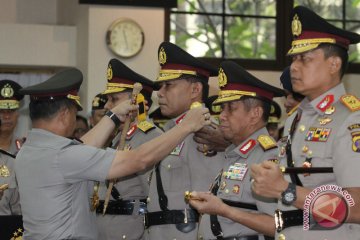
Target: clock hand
<point>126,42</point>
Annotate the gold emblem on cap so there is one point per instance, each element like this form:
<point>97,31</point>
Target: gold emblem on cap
<point>222,78</point>
<point>162,56</point>
<point>109,73</point>
<point>7,91</point>
<point>296,27</point>
<point>96,102</point>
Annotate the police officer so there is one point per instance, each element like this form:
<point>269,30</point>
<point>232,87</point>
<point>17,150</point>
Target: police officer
<point>274,120</point>
<point>292,99</point>
<point>9,194</point>
<point>246,103</point>
<point>325,133</point>
<point>124,215</point>
<point>10,100</point>
<point>98,109</point>
<point>182,81</point>
<point>55,174</point>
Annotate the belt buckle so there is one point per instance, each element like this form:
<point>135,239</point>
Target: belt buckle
<point>279,221</point>
<point>142,208</point>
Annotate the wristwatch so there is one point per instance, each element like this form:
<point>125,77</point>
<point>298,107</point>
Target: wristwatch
<point>289,195</point>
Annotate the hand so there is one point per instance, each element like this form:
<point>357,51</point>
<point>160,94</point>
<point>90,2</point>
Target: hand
<point>267,180</point>
<point>2,189</point>
<point>212,138</point>
<point>206,202</point>
<point>196,118</point>
<point>124,108</point>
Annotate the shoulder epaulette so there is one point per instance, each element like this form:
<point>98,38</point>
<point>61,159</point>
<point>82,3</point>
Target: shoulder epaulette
<point>351,102</point>
<point>266,142</point>
<point>145,126</point>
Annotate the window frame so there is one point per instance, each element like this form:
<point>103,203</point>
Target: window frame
<point>283,42</point>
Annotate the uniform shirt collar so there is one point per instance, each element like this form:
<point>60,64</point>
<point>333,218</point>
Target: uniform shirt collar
<point>239,150</point>
<point>336,92</point>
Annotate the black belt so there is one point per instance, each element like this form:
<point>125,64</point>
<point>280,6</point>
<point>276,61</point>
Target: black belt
<point>240,204</point>
<point>171,217</point>
<point>121,207</point>
<point>214,222</point>
<point>252,237</point>
<point>285,219</point>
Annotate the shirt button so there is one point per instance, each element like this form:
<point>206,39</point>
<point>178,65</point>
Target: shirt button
<point>302,128</point>
<point>281,237</point>
<point>310,153</point>
<point>169,166</point>
<point>148,200</point>
<point>123,236</point>
<point>305,149</point>
<point>226,191</point>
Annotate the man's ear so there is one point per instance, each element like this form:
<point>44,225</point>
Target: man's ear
<point>256,114</point>
<point>62,116</point>
<point>335,66</point>
<point>196,90</point>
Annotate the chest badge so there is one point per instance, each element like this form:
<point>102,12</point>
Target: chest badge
<point>318,134</point>
<point>330,110</point>
<point>237,171</point>
<point>236,189</point>
<point>324,120</point>
<point>356,141</point>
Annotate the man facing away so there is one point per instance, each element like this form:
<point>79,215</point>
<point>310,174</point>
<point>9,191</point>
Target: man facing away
<point>56,174</point>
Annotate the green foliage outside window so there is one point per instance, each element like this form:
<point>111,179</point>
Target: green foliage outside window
<point>247,29</point>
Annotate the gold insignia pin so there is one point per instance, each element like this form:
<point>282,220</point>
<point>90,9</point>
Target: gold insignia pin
<point>305,149</point>
<point>7,91</point>
<point>330,110</point>
<point>96,102</point>
<point>109,73</point>
<point>162,56</point>
<point>296,26</point>
<point>222,78</point>
<point>4,171</point>
<point>325,120</point>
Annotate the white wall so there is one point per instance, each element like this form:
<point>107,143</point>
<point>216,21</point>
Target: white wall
<point>145,63</point>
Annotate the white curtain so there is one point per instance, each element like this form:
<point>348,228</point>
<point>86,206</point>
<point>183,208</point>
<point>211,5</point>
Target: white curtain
<point>25,79</point>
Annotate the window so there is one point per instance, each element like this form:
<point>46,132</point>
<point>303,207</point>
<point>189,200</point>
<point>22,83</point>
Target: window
<point>254,33</point>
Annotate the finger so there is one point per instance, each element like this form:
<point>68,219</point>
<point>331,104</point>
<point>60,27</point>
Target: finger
<point>268,165</point>
<point>255,168</point>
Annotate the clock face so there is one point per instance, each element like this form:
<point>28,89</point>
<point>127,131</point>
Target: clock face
<point>125,38</point>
